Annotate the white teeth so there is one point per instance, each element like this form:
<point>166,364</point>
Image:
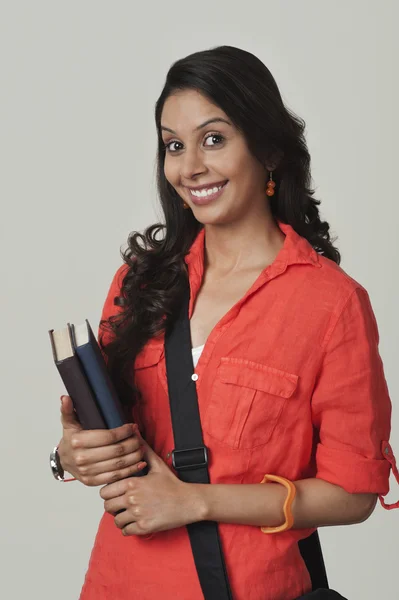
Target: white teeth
<point>208,192</point>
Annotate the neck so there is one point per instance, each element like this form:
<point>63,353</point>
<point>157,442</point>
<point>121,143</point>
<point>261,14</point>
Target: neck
<point>243,245</point>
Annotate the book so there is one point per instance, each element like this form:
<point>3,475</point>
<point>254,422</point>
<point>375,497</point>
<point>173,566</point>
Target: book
<point>75,380</point>
<point>88,350</point>
<point>82,367</point>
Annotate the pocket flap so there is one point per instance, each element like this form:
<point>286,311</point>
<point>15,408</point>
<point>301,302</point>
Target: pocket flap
<point>247,373</point>
<point>149,356</point>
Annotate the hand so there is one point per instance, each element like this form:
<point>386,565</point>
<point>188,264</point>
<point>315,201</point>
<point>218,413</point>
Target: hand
<point>98,456</point>
<point>156,502</point>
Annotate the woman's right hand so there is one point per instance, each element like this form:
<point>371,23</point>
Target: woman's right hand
<point>98,456</point>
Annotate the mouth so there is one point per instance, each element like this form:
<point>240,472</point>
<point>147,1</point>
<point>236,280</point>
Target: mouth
<point>208,195</point>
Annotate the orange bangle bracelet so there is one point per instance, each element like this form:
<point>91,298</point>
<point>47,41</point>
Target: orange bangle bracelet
<point>289,519</point>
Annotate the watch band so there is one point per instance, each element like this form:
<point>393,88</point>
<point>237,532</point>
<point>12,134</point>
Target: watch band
<point>56,467</point>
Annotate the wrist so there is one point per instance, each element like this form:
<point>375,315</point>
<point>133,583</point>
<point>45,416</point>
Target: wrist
<point>57,468</point>
<point>247,504</point>
<point>197,500</point>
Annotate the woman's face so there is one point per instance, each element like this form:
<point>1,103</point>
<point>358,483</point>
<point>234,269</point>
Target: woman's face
<point>200,153</point>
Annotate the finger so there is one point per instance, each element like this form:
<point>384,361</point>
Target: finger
<point>134,529</point>
<point>114,505</point>
<point>112,477</point>
<point>127,516</point>
<point>68,415</point>
<point>109,466</point>
<point>95,438</point>
<point>88,457</point>
<point>116,489</point>
<point>153,459</point>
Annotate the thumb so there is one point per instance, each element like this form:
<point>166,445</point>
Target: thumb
<point>154,461</point>
<point>68,416</point>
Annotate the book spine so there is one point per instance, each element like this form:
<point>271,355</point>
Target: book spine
<point>82,397</point>
<point>101,385</point>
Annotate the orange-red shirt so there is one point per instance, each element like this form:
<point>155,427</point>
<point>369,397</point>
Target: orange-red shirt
<point>290,382</point>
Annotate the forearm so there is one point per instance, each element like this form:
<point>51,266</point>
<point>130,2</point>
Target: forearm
<point>317,503</point>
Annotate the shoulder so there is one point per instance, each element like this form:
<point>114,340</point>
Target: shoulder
<point>342,299</point>
<point>118,277</point>
<point>327,295</point>
<point>331,285</point>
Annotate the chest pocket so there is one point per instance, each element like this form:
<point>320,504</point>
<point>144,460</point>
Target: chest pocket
<point>147,367</point>
<point>149,357</point>
<point>246,402</point>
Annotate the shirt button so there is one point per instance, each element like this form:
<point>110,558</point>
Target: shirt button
<point>194,376</point>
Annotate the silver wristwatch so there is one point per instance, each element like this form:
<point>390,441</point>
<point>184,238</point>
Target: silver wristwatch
<point>56,466</point>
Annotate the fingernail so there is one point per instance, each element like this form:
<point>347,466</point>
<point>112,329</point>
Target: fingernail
<point>62,399</point>
<point>141,465</point>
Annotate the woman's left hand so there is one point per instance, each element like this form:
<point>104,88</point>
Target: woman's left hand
<point>156,502</point>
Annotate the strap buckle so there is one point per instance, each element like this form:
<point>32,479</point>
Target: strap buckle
<point>190,458</point>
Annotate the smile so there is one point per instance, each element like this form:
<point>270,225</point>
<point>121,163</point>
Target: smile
<point>207,195</point>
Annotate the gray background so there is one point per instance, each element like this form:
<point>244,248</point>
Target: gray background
<point>78,85</point>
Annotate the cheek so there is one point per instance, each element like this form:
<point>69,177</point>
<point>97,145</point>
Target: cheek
<point>171,172</point>
<point>240,158</point>
<point>249,175</point>
<point>242,164</point>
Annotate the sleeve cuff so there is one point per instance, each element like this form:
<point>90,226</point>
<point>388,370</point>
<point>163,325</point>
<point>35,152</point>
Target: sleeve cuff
<point>356,474</point>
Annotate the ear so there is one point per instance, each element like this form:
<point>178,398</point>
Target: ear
<point>274,160</point>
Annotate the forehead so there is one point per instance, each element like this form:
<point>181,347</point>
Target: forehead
<point>185,109</point>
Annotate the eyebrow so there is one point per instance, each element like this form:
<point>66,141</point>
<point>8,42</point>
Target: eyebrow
<point>214,120</point>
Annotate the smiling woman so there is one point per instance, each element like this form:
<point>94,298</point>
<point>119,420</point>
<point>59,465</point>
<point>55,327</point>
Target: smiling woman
<point>289,380</point>
<point>199,159</point>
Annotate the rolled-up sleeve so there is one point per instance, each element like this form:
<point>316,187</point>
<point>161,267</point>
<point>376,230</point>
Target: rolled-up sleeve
<point>351,407</point>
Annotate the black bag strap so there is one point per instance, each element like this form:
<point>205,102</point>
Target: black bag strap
<point>312,555</point>
<point>190,456</point>
<point>190,459</point>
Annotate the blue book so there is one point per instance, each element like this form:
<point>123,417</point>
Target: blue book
<point>92,361</point>
<point>95,368</point>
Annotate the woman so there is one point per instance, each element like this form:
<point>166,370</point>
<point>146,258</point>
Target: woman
<point>285,346</point>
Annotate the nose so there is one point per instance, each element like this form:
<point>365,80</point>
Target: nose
<point>191,164</point>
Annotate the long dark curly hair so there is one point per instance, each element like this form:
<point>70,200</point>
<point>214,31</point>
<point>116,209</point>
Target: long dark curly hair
<point>243,87</point>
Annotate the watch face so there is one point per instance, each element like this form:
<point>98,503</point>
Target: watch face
<point>55,465</point>
<point>57,458</point>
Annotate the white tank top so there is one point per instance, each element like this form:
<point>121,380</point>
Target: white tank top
<point>197,353</point>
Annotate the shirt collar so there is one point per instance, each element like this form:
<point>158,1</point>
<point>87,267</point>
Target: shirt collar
<point>295,250</point>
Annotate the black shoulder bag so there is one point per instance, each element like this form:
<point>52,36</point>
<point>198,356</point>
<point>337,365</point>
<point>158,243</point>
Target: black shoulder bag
<point>190,459</point>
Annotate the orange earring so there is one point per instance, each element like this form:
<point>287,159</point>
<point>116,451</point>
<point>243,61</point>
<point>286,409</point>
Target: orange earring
<point>270,186</point>
<point>185,205</point>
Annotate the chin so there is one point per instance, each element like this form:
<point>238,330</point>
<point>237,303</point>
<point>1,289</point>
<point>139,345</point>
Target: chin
<point>211,219</point>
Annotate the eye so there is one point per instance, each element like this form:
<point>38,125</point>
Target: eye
<point>168,146</point>
<point>213,136</point>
